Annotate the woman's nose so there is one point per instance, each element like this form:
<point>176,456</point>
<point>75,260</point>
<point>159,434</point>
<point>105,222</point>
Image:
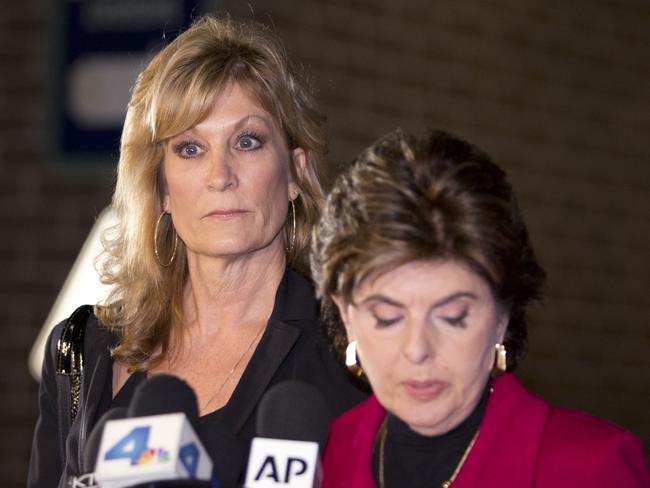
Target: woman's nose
<point>221,173</point>
<point>417,347</point>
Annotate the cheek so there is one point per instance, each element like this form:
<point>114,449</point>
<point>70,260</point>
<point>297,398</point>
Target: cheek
<point>180,187</point>
<point>268,181</point>
<point>377,353</point>
<point>475,356</point>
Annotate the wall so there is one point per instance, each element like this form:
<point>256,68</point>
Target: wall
<point>557,92</point>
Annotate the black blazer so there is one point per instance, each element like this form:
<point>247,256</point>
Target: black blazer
<point>290,348</point>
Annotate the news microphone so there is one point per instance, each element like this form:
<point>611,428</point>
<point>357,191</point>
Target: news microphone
<point>157,446</point>
<point>92,444</point>
<point>87,466</point>
<point>162,394</point>
<point>225,450</point>
<point>292,427</point>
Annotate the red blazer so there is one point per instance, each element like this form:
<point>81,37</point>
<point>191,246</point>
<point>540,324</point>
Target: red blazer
<point>523,442</point>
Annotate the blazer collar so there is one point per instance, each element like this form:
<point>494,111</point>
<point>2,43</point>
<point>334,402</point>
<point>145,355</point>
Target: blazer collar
<point>294,299</point>
<point>511,429</point>
<point>295,308</point>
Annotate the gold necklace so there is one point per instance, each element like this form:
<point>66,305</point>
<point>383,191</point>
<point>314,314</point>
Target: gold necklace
<point>232,370</point>
<point>383,432</point>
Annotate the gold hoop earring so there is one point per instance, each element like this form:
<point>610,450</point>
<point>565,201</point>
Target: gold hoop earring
<point>292,240</point>
<point>352,360</point>
<point>501,359</point>
<point>155,242</point>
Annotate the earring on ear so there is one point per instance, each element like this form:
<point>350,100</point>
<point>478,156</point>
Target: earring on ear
<point>155,240</point>
<point>292,239</point>
<point>501,359</point>
<point>352,360</point>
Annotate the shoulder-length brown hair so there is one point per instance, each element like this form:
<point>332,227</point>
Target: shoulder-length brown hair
<point>174,93</point>
<point>426,196</point>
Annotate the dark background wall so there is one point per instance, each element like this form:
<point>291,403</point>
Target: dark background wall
<point>558,92</point>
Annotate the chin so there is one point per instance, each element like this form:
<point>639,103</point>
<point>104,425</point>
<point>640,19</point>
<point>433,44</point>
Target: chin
<point>426,420</point>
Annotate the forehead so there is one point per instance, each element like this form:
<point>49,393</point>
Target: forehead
<point>233,105</point>
<point>235,100</point>
<point>424,281</point>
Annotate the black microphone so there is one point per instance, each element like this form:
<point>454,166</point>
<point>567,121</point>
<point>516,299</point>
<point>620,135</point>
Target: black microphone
<point>157,445</point>
<point>225,450</point>
<point>292,426</point>
<point>92,444</point>
<point>296,411</point>
<point>91,451</point>
<point>163,394</point>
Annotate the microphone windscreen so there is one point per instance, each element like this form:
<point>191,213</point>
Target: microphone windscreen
<point>294,410</point>
<point>225,450</point>
<point>162,394</point>
<point>92,444</point>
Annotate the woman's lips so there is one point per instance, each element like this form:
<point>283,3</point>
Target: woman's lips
<point>423,390</point>
<point>227,213</point>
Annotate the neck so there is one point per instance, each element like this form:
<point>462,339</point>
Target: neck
<point>225,293</point>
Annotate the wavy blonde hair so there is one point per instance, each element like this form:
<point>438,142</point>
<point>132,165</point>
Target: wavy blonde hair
<point>175,92</point>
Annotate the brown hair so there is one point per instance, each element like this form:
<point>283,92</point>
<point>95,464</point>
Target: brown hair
<point>424,197</point>
<point>174,93</point>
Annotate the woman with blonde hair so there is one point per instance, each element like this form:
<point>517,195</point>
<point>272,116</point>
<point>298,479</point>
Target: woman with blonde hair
<point>218,187</point>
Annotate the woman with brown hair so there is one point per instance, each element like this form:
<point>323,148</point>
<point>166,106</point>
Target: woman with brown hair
<point>218,188</point>
<point>425,267</point>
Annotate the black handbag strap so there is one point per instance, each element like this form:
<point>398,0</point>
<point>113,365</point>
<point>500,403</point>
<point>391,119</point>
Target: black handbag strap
<point>69,369</point>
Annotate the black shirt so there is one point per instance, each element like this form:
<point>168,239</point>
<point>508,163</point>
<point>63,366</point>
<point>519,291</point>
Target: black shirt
<point>412,460</point>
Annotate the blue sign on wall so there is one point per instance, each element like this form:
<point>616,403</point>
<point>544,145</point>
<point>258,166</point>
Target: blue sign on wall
<point>103,46</point>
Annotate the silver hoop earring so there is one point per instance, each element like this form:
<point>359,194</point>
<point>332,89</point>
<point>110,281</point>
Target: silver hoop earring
<point>292,240</point>
<point>352,360</point>
<point>155,242</point>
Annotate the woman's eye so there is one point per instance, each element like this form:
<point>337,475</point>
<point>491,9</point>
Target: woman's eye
<point>188,150</point>
<point>249,142</point>
<point>385,322</point>
<point>456,321</point>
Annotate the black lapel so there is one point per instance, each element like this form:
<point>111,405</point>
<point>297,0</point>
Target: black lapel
<point>275,345</point>
<point>294,304</point>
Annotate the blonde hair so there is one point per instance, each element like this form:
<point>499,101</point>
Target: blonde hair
<point>174,93</point>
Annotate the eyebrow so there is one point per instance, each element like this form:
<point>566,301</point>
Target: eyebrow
<point>236,126</point>
<point>439,303</point>
<point>249,118</point>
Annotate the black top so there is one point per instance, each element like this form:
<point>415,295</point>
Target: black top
<point>412,460</point>
<point>291,348</point>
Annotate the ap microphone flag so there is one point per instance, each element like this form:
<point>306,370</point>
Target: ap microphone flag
<point>279,462</point>
<point>154,448</point>
<point>292,426</point>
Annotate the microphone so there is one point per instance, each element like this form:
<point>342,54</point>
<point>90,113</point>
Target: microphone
<point>163,394</point>
<point>87,480</point>
<point>156,445</point>
<point>92,444</point>
<point>292,427</point>
<point>225,450</point>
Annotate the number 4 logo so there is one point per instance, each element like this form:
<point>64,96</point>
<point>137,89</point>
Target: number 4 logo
<point>130,446</point>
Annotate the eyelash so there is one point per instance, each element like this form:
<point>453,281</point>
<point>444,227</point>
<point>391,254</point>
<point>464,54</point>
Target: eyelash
<point>458,321</point>
<point>253,135</point>
<point>178,148</point>
<point>380,323</point>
